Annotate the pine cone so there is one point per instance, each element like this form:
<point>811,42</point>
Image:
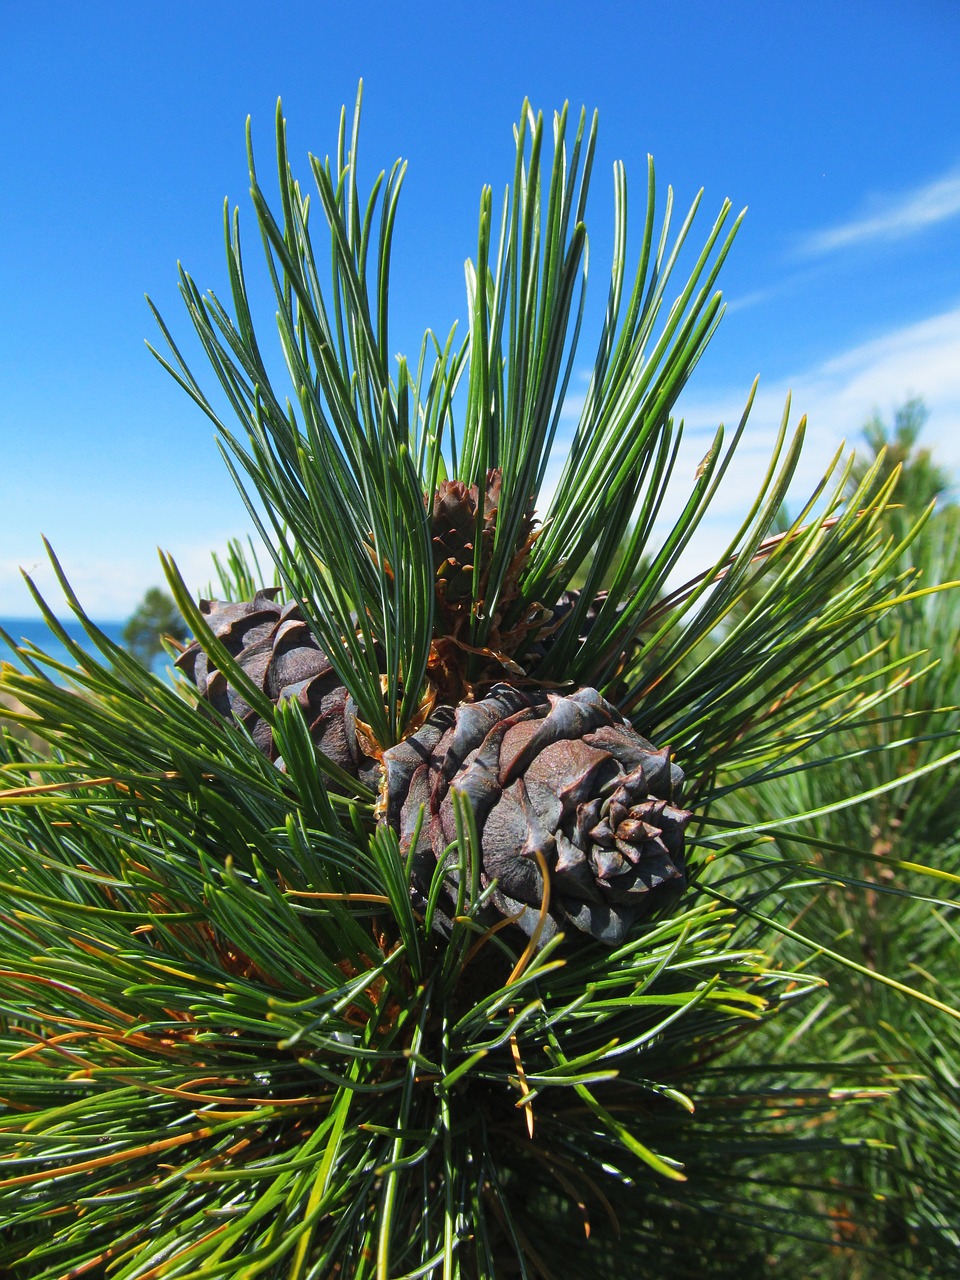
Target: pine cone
<point>453,527</point>
<point>454,515</point>
<point>565,776</point>
<point>279,653</point>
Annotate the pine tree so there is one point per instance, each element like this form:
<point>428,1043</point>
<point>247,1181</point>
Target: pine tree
<point>921,479</point>
<point>408,936</point>
<point>155,619</point>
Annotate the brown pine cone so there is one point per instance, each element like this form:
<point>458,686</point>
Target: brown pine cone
<point>280,654</point>
<point>567,777</point>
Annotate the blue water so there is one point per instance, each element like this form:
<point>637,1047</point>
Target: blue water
<point>34,631</point>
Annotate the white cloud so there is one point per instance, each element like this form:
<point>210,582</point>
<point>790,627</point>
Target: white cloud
<point>837,396</point>
<point>894,218</point>
<point>107,587</point>
<point>742,302</point>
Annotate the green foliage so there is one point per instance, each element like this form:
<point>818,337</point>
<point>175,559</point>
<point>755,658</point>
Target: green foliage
<point>272,1031</point>
<point>156,619</point>
<point>231,1045</point>
<point>883,925</point>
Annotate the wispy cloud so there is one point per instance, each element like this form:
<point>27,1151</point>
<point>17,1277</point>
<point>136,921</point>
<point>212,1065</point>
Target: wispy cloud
<point>107,586</point>
<point>894,218</point>
<point>836,396</point>
<point>743,301</point>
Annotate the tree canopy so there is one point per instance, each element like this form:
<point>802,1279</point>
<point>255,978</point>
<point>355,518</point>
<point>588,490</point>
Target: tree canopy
<point>922,480</point>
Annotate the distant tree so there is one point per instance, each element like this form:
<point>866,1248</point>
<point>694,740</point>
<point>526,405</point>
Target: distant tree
<point>156,617</point>
<point>921,479</point>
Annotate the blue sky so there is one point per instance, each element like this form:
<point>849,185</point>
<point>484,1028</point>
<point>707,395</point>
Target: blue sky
<point>123,131</point>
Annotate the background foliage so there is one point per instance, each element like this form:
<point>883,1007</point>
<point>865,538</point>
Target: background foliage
<point>156,620</point>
